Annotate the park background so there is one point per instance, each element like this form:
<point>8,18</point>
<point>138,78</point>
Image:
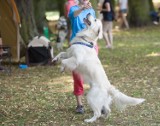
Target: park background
<point>42,96</point>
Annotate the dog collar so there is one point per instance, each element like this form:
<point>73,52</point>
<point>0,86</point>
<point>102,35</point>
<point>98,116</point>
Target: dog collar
<point>85,44</point>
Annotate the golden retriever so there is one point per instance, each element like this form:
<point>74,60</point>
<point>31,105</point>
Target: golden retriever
<point>82,58</point>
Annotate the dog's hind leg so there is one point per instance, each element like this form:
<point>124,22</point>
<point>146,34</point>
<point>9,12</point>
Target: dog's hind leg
<point>97,114</point>
<point>105,112</point>
<point>106,107</point>
<point>95,102</point>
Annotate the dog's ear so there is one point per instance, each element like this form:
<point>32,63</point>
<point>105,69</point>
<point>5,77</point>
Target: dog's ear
<point>100,31</point>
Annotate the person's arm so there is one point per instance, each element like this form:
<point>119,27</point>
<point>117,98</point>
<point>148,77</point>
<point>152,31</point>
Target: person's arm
<point>77,12</point>
<point>99,7</point>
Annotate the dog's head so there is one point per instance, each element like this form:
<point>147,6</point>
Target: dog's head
<point>94,25</point>
<point>93,32</point>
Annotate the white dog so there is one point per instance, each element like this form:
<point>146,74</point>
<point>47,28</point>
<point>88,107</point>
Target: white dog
<point>82,57</point>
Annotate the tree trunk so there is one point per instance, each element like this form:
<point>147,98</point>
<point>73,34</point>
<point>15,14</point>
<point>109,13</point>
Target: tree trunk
<point>61,6</point>
<point>139,13</point>
<point>39,11</point>
<point>151,6</point>
<point>28,29</point>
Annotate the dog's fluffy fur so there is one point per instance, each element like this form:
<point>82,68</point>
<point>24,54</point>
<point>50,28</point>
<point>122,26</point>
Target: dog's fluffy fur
<point>85,61</point>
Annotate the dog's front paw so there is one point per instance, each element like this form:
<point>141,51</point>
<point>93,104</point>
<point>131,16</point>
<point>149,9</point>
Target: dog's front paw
<point>54,61</point>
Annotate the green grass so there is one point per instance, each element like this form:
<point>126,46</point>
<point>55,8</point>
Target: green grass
<point>42,96</point>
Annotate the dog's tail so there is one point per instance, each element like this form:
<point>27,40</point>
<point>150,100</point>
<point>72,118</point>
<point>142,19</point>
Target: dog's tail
<point>121,100</point>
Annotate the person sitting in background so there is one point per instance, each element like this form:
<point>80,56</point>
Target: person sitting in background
<point>1,50</point>
<point>155,16</point>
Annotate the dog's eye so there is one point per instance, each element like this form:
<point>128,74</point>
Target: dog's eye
<point>95,20</point>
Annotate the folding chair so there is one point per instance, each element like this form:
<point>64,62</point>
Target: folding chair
<point>5,57</point>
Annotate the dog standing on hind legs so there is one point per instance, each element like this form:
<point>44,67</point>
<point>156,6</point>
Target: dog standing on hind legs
<point>82,58</point>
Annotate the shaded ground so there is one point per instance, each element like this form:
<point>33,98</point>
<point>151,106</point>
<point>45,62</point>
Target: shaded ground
<point>41,96</point>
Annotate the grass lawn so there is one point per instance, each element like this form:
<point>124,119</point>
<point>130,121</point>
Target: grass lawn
<point>42,96</point>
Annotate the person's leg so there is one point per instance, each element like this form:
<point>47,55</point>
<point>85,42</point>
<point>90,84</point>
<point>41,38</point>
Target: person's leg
<point>124,18</point>
<point>78,91</point>
<point>79,100</point>
<point>110,35</point>
<point>105,33</point>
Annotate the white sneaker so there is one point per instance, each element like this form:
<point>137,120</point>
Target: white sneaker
<point>155,22</point>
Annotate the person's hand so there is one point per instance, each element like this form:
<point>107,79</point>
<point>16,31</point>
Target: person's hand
<point>86,6</point>
<point>99,8</point>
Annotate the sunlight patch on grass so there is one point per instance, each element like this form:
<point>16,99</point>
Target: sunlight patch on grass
<point>121,44</point>
<point>61,84</point>
<point>153,54</point>
<point>105,66</point>
<point>156,43</point>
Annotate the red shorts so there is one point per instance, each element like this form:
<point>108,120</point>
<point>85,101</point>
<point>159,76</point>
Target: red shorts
<point>78,81</point>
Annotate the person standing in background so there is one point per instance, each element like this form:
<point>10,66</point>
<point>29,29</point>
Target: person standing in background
<point>100,3</point>
<point>67,7</point>
<point>107,21</point>
<point>76,15</point>
<point>1,50</point>
<point>123,8</point>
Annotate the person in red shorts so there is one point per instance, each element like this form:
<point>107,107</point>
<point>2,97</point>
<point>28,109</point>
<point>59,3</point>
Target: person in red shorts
<point>76,15</point>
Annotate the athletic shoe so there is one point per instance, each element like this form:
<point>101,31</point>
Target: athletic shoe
<point>80,109</point>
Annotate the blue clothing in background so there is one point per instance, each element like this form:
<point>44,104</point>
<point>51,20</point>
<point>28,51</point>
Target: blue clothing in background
<point>154,16</point>
<point>77,23</point>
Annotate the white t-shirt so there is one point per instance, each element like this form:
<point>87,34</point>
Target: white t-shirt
<point>123,4</point>
<point>101,1</point>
